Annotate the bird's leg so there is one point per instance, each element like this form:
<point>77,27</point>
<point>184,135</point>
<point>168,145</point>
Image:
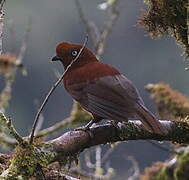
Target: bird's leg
<point>89,124</point>
<point>114,123</point>
<point>85,127</point>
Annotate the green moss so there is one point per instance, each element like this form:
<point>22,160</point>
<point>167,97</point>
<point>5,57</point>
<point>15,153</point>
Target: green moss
<point>169,101</point>
<point>132,131</point>
<point>148,2</point>
<point>182,169</point>
<point>161,175</point>
<point>5,95</point>
<point>167,17</point>
<point>158,171</point>
<point>25,161</point>
<point>165,173</point>
<point>180,132</point>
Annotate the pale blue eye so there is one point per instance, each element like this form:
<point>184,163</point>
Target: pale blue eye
<point>74,53</point>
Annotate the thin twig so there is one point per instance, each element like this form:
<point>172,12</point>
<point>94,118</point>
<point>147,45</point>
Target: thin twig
<point>39,124</point>
<point>5,95</point>
<point>1,4</point>
<point>109,152</point>
<point>24,44</point>
<point>54,128</point>
<point>88,161</point>
<point>52,90</point>
<point>90,27</point>
<point>135,168</point>
<point>114,14</point>
<point>14,133</point>
<point>99,39</point>
<point>98,163</point>
<point>41,119</point>
<point>7,141</point>
<point>8,123</point>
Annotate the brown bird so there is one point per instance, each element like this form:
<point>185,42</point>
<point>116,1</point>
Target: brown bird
<point>101,89</point>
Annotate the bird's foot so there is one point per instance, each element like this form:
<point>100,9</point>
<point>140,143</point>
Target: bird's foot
<point>82,128</point>
<point>86,128</point>
<point>114,123</point>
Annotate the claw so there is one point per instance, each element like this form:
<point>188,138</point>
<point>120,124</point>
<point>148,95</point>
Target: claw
<point>82,128</point>
<point>114,123</point>
<point>86,128</point>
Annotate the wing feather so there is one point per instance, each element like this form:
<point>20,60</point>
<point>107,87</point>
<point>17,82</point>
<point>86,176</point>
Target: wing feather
<point>106,109</point>
<point>110,97</point>
<point>114,97</point>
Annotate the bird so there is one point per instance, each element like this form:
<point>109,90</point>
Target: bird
<point>101,89</point>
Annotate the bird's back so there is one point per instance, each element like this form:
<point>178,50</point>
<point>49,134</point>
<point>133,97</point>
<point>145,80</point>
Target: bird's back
<point>88,72</point>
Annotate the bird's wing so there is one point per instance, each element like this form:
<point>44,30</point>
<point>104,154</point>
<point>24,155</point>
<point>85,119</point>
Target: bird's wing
<point>114,97</point>
<point>129,90</point>
<point>110,97</point>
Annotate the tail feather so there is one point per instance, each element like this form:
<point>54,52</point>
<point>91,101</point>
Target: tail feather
<point>149,120</point>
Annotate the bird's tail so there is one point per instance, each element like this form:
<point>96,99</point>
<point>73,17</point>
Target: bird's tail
<point>149,120</point>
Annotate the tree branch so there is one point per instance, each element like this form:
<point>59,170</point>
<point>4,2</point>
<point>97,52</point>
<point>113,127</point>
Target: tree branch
<point>8,123</point>
<point>65,148</point>
<point>89,25</point>
<point>113,16</point>
<point>76,141</point>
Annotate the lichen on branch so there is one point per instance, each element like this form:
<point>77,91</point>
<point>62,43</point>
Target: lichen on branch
<point>168,100</point>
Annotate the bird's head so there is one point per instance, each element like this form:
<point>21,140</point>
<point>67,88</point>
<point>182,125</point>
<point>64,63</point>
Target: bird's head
<point>67,52</point>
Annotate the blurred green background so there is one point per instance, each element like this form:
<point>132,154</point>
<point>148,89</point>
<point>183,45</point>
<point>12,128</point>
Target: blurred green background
<point>129,49</point>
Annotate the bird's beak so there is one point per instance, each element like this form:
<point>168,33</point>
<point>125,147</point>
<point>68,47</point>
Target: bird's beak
<point>56,58</point>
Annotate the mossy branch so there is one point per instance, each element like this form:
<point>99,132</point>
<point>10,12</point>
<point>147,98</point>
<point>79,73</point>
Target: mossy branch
<point>77,141</point>
<point>8,123</point>
<point>167,17</point>
<point>7,141</point>
<point>66,148</point>
<point>169,101</point>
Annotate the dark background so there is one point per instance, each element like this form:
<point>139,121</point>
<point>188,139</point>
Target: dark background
<point>140,58</point>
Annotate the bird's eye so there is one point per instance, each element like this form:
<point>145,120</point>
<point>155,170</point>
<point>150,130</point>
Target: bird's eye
<point>74,53</point>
